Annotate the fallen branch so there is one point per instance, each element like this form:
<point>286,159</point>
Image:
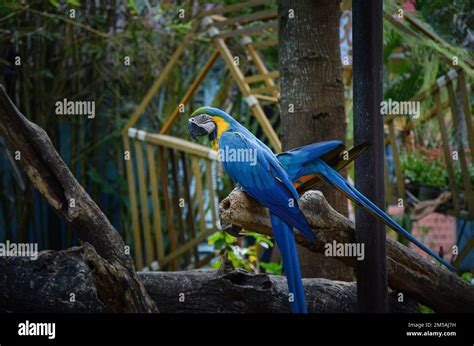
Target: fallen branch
<point>51,176</point>
<point>47,285</point>
<point>408,272</point>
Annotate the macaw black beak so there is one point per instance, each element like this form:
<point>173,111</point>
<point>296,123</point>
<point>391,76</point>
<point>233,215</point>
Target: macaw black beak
<point>200,129</point>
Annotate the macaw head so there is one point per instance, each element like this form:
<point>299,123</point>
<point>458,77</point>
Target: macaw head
<point>209,121</point>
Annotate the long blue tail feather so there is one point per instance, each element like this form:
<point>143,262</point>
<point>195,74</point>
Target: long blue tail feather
<point>335,179</point>
<point>285,240</point>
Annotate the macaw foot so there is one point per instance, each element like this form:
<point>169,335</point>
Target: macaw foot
<point>238,188</point>
<point>233,230</point>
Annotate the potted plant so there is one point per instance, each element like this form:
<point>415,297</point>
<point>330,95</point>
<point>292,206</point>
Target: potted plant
<point>425,173</point>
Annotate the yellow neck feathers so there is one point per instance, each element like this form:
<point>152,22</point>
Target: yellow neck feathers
<point>222,126</point>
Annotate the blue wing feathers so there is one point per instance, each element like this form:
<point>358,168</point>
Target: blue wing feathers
<point>266,181</point>
<point>293,160</point>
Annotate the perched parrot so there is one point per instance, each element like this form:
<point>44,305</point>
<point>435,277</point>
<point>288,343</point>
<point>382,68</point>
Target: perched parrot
<point>266,181</point>
<point>275,180</point>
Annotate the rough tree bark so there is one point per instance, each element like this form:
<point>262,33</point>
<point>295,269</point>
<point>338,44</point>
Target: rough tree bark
<point>46,285</point>
<point>408,272</point>
<point>72,203</point>
<point>312,96</point>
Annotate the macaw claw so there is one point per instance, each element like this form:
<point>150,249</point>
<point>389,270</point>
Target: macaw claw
<point>233,230</point>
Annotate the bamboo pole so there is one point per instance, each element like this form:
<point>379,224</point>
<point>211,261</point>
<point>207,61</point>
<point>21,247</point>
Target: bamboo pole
<point>212,193</point>
<point>262,69</point>
<point>235,7</point>
<point>197,176</point>
<point>261,77</point>
<point>162,77</point>
<point>178,210</point>
<point>186,247</point>
<point>266,98</point>
<point>204,261</point>
<point>155,200</point>
<point>168,207</point>
<point>177,144</point>
<point>143,192</point>
<point>133,204</point>
<point>468,195</point>
<point>246,18</point>
<point>189,203</point>
<point>190,92</point>
<point>467,111</point>
<point>246,30</point>
<point>245,89</point>
<point>274,89</point>
<point>447,153</point>
<point>266,43</point>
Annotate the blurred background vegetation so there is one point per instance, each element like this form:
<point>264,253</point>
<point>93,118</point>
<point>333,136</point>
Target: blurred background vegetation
<point>85,58</point>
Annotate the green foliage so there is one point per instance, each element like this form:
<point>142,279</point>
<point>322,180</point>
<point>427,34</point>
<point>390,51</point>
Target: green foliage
<point>424,53</point>
<point>133,7</point>
<point>112,188</point>
<point>449,16</point>
<point>272,268</point>
<point>425,310</point>
<point>468,277</point>
<point>180,27</point>
<point>242,252</point>
<point>74,3</point>
<point>420,171</point>
<point>459,177</point>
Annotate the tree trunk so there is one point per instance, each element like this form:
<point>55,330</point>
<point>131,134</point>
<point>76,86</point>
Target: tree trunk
<point>47,285</point>
<point>312,96</point>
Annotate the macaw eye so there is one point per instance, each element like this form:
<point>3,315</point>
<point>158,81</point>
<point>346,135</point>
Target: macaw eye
<point>203,118</point>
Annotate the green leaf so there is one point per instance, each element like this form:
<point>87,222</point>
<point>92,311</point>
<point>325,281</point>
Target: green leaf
<point>229,239</point>
<point>271,267</point>
<point>215,237</point>
<point>133,6</point>
<point>217,264</point>
<point>74,3</point>
<point>55,3</point>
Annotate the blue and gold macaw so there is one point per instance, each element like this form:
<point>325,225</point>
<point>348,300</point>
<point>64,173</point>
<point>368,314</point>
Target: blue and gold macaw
<point>274,181</point>
<point>265,180</point>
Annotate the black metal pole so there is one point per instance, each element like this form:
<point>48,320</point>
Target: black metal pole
<point>368,126</point>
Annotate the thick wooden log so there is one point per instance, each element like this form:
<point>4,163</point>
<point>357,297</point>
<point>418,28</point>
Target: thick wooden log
<point>60,282</point>
<point>408,272</point>
<point>51,176</point>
